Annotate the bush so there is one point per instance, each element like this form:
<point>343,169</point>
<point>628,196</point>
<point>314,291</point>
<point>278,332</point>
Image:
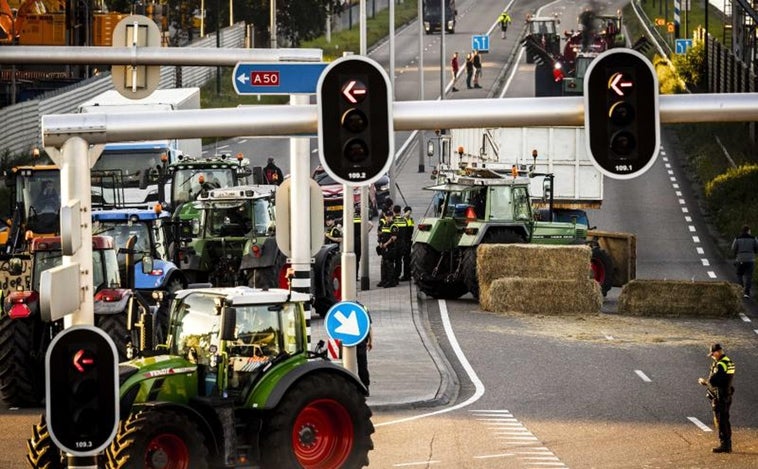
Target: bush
<point>732,198</point>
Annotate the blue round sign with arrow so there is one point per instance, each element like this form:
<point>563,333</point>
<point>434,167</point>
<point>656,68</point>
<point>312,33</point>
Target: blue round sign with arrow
<point>348,322</point>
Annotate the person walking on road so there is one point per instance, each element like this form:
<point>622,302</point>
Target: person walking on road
<point>454,67</point>
<point>477,61</point>
<point>504,20</point>
<point>744,248</point>
<point>469,70</point>
<point>719,391</point>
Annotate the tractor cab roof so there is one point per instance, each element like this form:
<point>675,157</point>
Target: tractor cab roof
<point>133,215</point>
<point>241,296</point>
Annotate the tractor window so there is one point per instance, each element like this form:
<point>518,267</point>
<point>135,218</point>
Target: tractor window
<point>521,204</point>
<point>229,220</point>
<point>258,332</point>
<point>263,211</point>
<point>121,232</point>
<point>44,260</point>
<point>197,331</point>
<point>131,164</point>
<point>501,205</point>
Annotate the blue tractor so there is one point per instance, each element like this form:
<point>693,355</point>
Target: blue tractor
<point>144,239</point>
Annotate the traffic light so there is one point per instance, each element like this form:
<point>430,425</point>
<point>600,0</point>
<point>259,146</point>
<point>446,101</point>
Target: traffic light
<point>355,120</point>
<point>81,386</point>
<point>621,119</point>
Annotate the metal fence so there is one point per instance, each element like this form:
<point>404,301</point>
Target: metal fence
<point>21,128</point>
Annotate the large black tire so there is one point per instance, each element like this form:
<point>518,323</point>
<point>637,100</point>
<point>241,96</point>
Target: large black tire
<point>157,435</point>
<point>22,365</point>
<point>41,452</point>
<point>440,284</point>
<point>468,259</point>
<point>268,277</point>
<point>602,269</point>
<point>115,326</point>
<point>332,285</point>
<point>322,421</point>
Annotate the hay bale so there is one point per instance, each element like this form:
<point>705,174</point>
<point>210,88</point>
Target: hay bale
<point>494,261</point>
<point>647,297</point>
<point>543,296</point>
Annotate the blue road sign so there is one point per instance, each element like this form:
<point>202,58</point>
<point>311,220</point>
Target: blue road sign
<point>348,322</point>
<point>480,42</point>
<point>682,45</point>
<point>277,78</point>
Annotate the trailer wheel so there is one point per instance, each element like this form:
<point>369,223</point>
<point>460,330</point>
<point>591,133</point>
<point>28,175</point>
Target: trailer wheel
<point>322,421</point>
<point>115,326</point>
<point>602,269</point>
<point>41,452</point>
<point>424,260</point>
<point>153,439</point>
<point>22,371</point>
<point>468,259</point>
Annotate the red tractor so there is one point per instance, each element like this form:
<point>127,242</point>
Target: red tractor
<point>25,334</point>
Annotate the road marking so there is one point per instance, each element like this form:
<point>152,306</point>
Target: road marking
<point>643,376</point>
<point>691,228</point>
<point>682,202</point>
<point>242,141</point>
<point>478,385</point>
<point>672,179</point>
<point>696,239</point>
<point>700,424</point>
<point>490,456</point>
<point>688,219</point>
<point>744,317</point>
<point>705,262</point>
<point>700,250</point>
<point>420,463</point>
<point>712,274</point>
<point>685,210</point>
<point>676,186</point>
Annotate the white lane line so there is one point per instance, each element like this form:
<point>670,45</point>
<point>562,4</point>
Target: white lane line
<point>672,179</point>
<point>705,262</point>
<point>242,141</point>
<point>685,210</point>
<point>676,186</point>
<point>688,219</point>
<point>744,318</point>
<point>490,456</point>
<point>700,250</point>
<point>420,463</point>
<point>472,376</point>
<point>712,274</point>
<point>692,229</point>
<point>643,376</point>
<point>696,239</point>
<point>682,202</point>
<point>700,424</point>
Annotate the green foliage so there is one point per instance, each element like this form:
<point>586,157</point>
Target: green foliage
<point>733,199</point>
<point>691,66</point>
<point>377,29</point>
<point>669,81</point>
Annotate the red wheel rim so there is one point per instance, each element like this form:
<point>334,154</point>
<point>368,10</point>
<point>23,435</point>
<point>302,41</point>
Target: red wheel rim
<point>167,451</point>
<point>322,435</point>
<point>282,279</point>
<point>335,277</point>
<point>598,271</point>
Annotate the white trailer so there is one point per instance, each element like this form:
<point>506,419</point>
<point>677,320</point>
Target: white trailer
<point>135,164</point>
<point>559,150</point>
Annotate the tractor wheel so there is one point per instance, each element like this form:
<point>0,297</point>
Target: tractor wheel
<point>41,450</point>
<point>424,260</point>
<point>468,260</point>
<point>22,367</point>
<point>322,421</point>
<point>115,326</point>
<point>152,439</point>
<point>602,269</point>
<point>268,277</point>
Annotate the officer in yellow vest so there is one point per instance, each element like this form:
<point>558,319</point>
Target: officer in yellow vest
<point>719,391</point>
<point>387,248</point>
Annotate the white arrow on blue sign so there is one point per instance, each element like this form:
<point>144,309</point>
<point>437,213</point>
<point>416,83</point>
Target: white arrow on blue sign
<point>480,42</point>
<point>348,322</point>
<point>277,78</point>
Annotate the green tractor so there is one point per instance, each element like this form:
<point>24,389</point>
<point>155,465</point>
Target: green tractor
<point>231,241</point>
<point>482,204</point>
<point>233,386</point>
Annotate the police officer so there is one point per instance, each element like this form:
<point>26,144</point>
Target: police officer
<point>333,231</point>
<point>401,223</point>
<point>386,247</point>
<point>408,233</point>
<point>719,391</point>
